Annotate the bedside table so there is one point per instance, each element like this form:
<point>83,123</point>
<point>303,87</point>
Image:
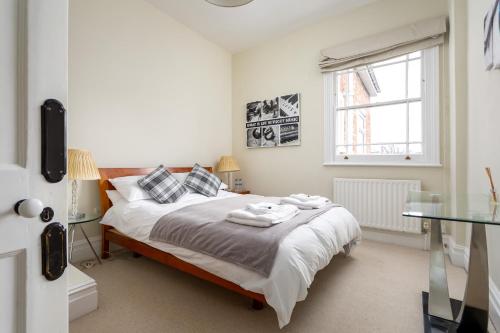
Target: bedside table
<point>74,222</point>
<point>240,192</point>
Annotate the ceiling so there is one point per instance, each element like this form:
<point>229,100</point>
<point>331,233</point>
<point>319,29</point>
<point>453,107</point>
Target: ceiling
<point>239,28</point>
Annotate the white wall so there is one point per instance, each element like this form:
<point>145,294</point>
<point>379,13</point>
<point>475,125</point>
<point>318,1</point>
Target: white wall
<point>144,89</point>
<point>289,65</point>
<point>483,122</point>
<point>457,41</point>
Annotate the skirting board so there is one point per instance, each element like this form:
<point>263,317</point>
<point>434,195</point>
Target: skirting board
<point>82,251</point>
<point>456,252</point>
<point>494,305</point>
<point>82,293</point>
<point>82,303</point>
<point>82,300</point>
<point>417,241</point>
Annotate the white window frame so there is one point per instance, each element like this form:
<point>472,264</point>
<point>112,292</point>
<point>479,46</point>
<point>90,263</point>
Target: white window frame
<point>430,122</point>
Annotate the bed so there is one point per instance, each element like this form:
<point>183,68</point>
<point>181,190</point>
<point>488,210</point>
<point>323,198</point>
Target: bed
<point>303,252</point>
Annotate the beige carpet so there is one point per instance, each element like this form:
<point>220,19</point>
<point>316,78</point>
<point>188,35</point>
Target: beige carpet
<point>377,289</point>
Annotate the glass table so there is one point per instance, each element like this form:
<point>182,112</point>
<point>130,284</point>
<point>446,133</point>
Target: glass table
<point>80,221</point>
<point>442,314</point>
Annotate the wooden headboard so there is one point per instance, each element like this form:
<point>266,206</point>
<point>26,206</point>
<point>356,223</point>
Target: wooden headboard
<point>110,173</point>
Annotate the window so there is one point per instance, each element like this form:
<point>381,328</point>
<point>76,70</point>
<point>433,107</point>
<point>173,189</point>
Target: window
<point>385,112</point>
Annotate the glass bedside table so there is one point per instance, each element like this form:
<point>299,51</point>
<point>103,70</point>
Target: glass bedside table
<point>80,221</point>
<point>442,314</point>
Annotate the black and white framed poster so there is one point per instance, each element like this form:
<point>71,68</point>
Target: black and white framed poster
<point>253,137</point>
<point>273,122</point>
<point>289,134</point>
<point>270,136</point>
<point>270,109</point>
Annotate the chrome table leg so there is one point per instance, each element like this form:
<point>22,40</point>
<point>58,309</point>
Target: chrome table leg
<point>439,298</point>
<point>473,316</point>
<point>72,231</point>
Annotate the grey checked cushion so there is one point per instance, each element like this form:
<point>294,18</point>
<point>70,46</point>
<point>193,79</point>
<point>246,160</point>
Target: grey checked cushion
<point>202,181</point>
<point>162,186</point>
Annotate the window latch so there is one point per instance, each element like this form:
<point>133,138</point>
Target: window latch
<point>408,157</point>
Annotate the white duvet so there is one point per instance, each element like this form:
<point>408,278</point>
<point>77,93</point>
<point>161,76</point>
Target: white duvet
<point>301,254</point>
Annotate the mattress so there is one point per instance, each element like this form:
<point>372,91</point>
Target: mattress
<point>302,253</point>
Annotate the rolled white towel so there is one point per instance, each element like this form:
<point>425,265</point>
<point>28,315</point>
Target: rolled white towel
<point>262,208</point>
<point>313,204</point>
<point>284,213</point>
<point>305,197</point>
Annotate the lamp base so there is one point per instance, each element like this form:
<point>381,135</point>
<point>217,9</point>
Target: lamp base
<point>230,180</point>
<point>76,216</point>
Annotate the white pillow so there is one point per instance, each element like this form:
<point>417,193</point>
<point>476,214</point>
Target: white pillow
<point>115,197</point>
<point>129,189</point>
<point>181,177</point>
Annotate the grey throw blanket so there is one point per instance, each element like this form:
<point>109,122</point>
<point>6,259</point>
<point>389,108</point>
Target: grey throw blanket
<point>203,228</point>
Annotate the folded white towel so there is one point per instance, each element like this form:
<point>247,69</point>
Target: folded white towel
<point>252,223</point>
<point>305,197</point>
<point>281,214</point>
<point>262,208</point>
<point>313,204</point>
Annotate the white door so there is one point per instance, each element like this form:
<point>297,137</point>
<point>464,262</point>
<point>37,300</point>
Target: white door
<point>33,68</point>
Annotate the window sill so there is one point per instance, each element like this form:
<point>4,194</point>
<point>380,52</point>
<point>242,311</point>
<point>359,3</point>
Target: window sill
<point>385,164</point>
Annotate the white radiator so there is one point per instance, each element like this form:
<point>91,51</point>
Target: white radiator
<point>377,203</point>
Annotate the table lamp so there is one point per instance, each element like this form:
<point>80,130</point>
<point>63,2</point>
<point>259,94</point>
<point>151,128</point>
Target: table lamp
<point>228,165</point>
<point>81,166</point>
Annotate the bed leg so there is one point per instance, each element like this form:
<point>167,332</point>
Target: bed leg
<point>257,305</point>
<point>136,255</point>
<point>348,248</point>
<point>104,242</point>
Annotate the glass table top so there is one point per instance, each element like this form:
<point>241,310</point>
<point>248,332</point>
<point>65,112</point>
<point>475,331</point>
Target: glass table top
<point>88,217</point>
<point>473,208</point>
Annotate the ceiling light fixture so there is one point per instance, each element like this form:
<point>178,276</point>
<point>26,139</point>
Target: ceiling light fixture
<point>229,3</point>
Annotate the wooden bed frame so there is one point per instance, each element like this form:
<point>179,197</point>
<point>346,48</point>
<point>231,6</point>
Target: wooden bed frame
<point>109,234</point>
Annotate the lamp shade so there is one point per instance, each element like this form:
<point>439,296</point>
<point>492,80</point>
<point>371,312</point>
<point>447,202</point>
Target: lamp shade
<point>81,165</point>
<point>227,164</point>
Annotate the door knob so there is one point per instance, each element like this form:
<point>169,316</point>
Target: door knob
<point>28,208</point>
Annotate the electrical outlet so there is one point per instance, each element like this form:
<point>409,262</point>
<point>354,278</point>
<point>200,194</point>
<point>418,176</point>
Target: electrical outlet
<point>426,226</point>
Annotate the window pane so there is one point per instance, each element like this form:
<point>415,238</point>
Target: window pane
<point>391,83</point>
<point>414,78</point>
<point>387,149</point>
<point>341,150</point>
<point>351,127</point>
<point>415,148</point>
<point>374,125</point>
<point>372,84</point>
<point>387,124</point>
<point>342,89</point>
<point>367,85</point>
<point>390,61</point>
<point>416,54</point>
<point>351,89</point>
<point>415,122</point>
<point>380,110</point>
<point>342,128</point>
<point>382,149</point>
